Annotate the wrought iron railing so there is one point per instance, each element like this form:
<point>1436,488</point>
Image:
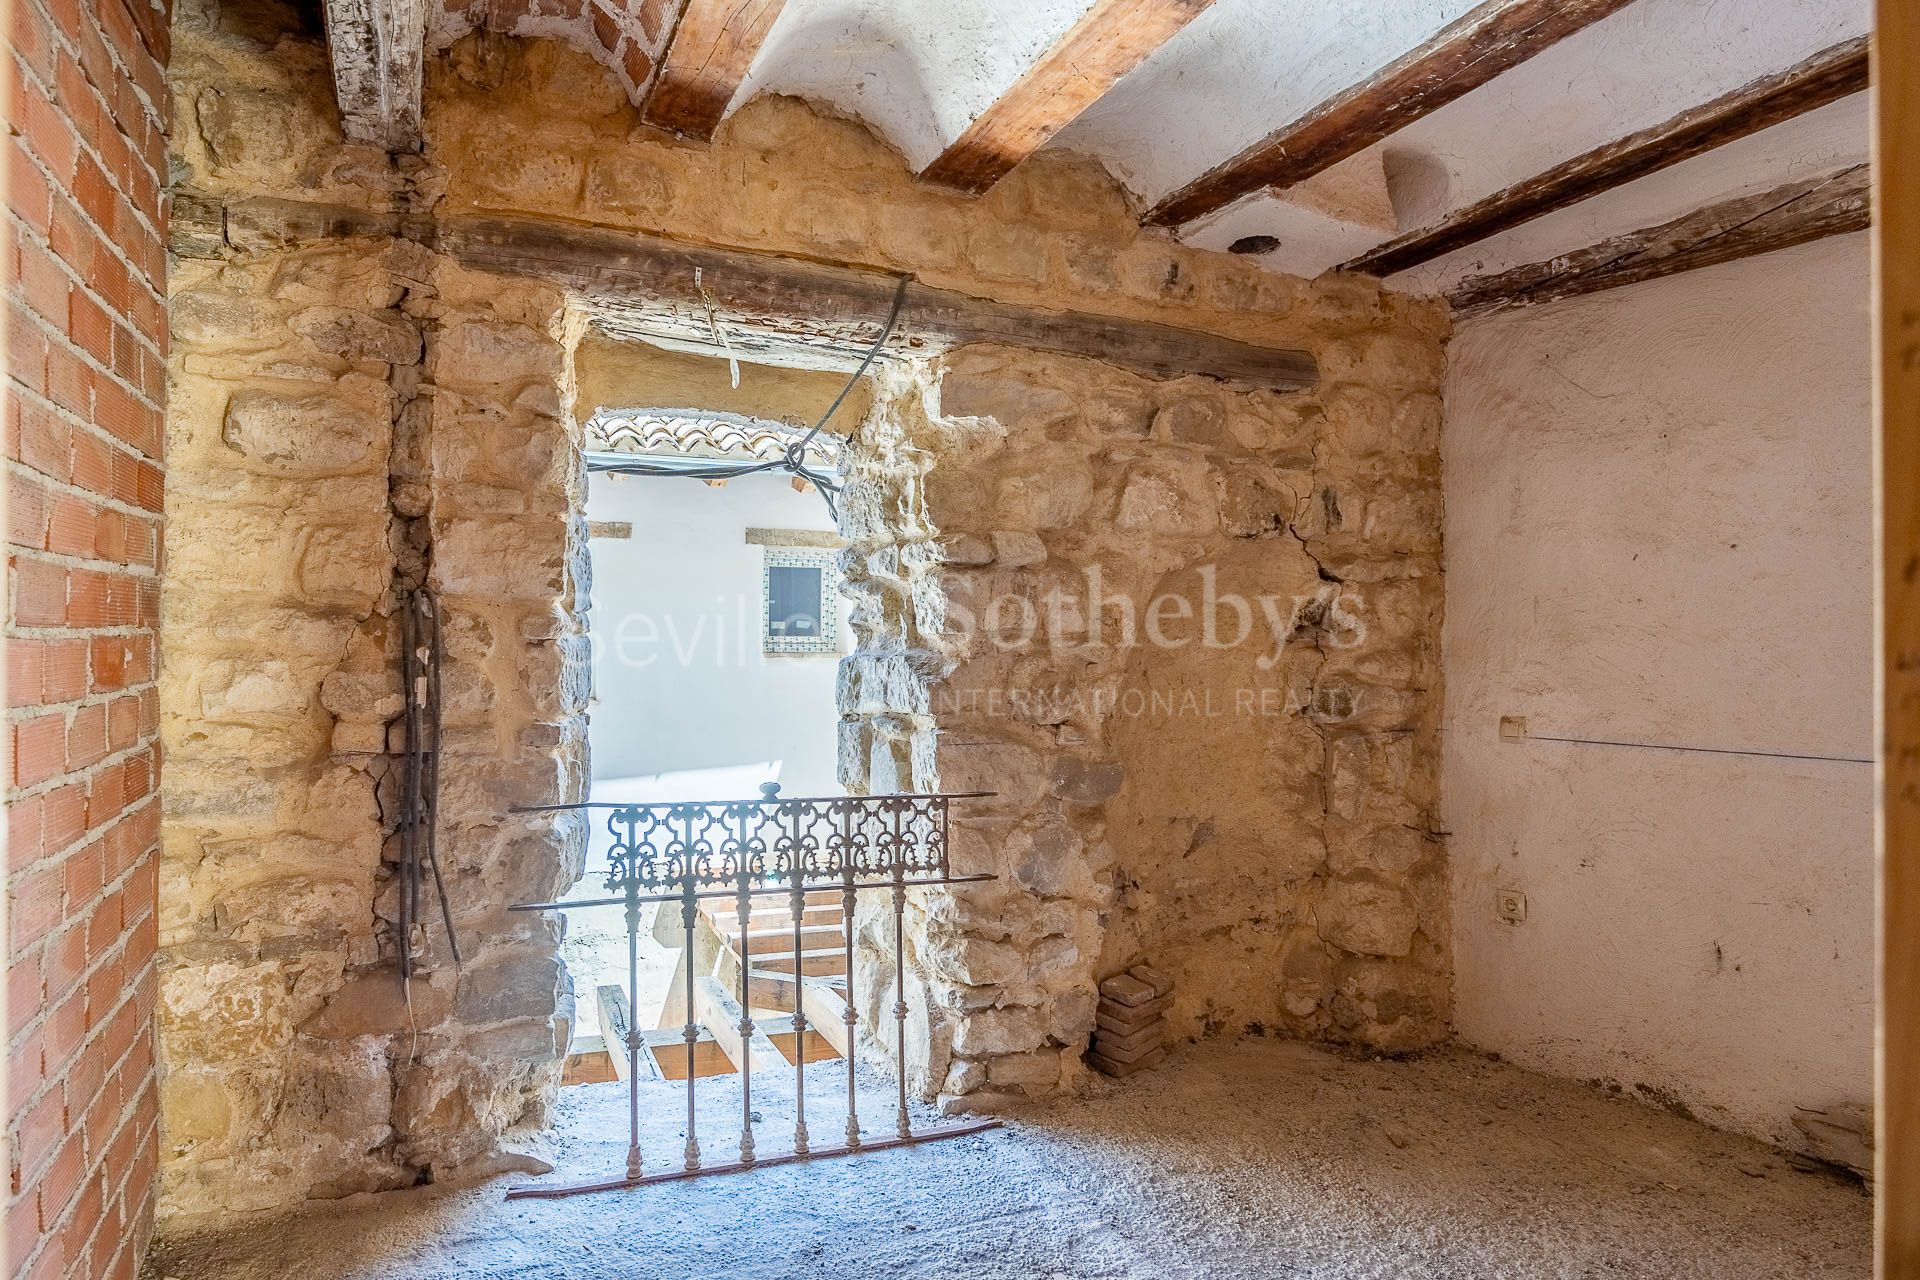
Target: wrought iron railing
<point>687,851</point>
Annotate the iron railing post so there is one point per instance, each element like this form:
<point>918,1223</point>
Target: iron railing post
<point>633,1029</point>
<point>689,914</point>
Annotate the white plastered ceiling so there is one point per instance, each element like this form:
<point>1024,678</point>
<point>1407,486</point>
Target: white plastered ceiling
<point>920,72</point>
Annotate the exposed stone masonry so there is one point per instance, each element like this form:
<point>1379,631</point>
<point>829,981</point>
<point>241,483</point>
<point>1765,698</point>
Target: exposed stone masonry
<point>352,419</point>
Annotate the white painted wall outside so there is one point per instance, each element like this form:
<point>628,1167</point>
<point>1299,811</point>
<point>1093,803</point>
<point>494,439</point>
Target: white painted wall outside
<point>685,702</point>
<point>1658,525</point>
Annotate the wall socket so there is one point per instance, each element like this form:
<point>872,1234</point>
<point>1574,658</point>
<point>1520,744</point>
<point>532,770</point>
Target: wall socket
<point>1510,905</point>
<point>1513,728</point>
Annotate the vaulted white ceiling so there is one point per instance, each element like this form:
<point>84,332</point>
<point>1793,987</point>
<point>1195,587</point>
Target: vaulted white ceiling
<point>1166,92</point>
<point>919,72</point>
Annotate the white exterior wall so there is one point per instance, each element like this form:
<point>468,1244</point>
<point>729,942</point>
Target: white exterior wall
<point>681,687</point>
<point>1658,527</point>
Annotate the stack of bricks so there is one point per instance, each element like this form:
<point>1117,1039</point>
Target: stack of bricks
<point>1129,1027</point>
<point>86,385</point>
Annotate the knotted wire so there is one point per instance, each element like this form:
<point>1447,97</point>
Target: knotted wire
<point>794,457</point>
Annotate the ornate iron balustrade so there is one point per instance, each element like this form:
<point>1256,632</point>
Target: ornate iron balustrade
<point>686,851</point>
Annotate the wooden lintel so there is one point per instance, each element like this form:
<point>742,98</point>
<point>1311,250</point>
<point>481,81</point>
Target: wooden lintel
<point>770,305</point>
<point>378,52</point>
<point>1493,37</point>
<point>1828,76</point>
<point>1787,215</point>
<point>1110,39</point>
<point>719,1013</point>
<point>712,46</point>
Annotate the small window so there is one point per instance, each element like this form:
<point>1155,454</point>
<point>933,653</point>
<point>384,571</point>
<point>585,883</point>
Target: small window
<point>799,589</point>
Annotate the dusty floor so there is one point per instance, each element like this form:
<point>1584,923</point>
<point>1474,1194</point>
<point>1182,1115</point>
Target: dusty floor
<point>1260,1158</point>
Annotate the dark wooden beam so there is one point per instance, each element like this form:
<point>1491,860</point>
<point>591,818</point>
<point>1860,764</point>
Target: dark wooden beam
<point>1787,215</point>
<point>1109,40</point>
<point>711,48</point>
<point>768,304</point>
<point>378,50</point>
<point>1491,38</point>
<point>1826,77</point>
<point>1896,286</point>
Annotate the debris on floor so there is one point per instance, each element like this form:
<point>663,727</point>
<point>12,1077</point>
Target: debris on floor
<point>1130,1029</point>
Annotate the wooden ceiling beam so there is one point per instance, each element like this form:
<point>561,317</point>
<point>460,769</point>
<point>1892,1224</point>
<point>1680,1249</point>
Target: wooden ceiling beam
<point>1826,77</point>
<point>707,58</point>
<point>1794,213</point>
<point>1110,39</point>
<point>378,49</point>
<point>1493,37</point>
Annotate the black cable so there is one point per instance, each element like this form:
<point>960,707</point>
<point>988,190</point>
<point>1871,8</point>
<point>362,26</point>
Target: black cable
<point>793,458</point>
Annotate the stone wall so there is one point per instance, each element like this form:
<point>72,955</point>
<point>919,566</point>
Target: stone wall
<point>352,421</point>
<point>1276,856</point>
<point>1047,558</point>
<point>349,423</point>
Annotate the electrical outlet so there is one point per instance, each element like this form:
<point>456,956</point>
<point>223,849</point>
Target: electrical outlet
<point>1513,728</point>
<point>1510,905</point>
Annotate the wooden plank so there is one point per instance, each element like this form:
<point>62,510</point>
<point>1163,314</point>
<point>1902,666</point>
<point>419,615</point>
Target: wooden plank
<point>1493,37</point>
<point>1897,406</point>
<point>1827,76</point>
<point>616,1019</point>
<point>378,51</point>
<point>826,1011</point>
<point>720,1014</point>
<point>769,303</point>
<point>1788,215</point>
<point>711,48</point>
<point>1110,39</point>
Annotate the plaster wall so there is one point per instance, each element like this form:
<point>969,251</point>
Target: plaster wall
<point>1658,522</point>
<point>681,684</point>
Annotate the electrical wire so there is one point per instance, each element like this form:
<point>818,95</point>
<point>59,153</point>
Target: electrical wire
<point>794,458</point>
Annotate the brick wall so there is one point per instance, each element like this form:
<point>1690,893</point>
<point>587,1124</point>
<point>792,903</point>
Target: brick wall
<point>86,348</point>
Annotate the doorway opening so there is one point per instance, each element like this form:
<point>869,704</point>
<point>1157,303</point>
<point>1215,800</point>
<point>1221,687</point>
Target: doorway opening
<point>717,629</point>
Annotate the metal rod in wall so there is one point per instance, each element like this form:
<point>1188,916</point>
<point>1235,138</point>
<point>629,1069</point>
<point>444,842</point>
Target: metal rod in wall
<point>436,659</point>
<point>798,909</point>
<point>410,793</point>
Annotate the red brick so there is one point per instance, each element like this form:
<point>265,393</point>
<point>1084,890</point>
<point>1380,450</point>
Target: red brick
<point>44,284</point>
<point>23,1226</point>
<point>107,923</point>
<point>44,442</point>
<point>25,832</point>
<point>35,1136</point>
<point>26,510</point>
<point>28,194</point>
<point>84,875</point>
<point>26,996</point>
<point>39,593</point>
<point>63,816</point>
<point>92,465</point>
<point>64,962</point>
<point>39,749</point>
<point>87,736</point>
<point>66,1027</point>
<point>90,327</point>
<point>72,525</point>
<point>27,1064</point>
